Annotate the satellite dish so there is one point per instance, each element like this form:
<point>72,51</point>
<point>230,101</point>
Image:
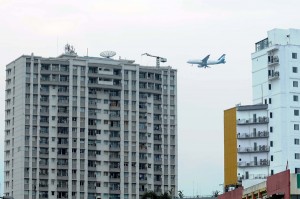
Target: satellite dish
<point>108,54</point>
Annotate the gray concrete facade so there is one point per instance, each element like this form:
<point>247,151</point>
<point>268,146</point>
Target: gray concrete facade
<point>88,127</point>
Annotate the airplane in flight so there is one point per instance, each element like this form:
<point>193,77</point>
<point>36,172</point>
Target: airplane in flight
<point>204,63</point>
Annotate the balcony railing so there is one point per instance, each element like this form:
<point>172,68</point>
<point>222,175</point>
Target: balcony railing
<point>272,60</point>
<point>259,120</point>
<point>261,148</point>
<point>274,75</point>
<point>259,134</point>
<point>252,176</point>
<point>262,162</point>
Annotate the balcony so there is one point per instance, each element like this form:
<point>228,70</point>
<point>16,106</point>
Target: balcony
<point>114,148</point>
<point>274,75</point>
<point>106,82</point>
<point>143,139</point>
<point>114,116</point>
<point>273,60</point>
<point>260,120</point>
<point>106,72</point>
<point>115,127</point>
<point>253,135</point>
<point>252,177</point>
<point>261,163</point>
<point>258,149</point>
<point>114,158</point>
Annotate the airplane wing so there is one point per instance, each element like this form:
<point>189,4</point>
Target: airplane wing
<point>204,61</point>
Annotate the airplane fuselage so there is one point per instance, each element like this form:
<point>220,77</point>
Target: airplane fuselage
<point>205,62</point>
<point>199,62</point>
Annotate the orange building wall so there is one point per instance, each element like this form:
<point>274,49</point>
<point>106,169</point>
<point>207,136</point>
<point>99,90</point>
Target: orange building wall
<point>230,147</point>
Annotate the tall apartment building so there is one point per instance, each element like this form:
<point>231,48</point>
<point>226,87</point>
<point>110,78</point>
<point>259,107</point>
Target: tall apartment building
<point>275,86</point>
<point>247,147</point>
<point>89,127</point>
<point>275,79</point>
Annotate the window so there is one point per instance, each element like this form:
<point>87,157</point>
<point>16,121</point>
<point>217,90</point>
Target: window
<point>271,129</point>
<point>295,83</point>
<point>270,100</point>
<point>271,143</point>
<point>296,141</point>
<point>272,172</point>
<point>294,55</point>
<point>270,86</point>
<point>271,115</point>
<point>295,70</point>
<point>297,155</point>
<point>297,170</point>
<point>296,127</point>
<point>296,112</point>
<point>295,98</point>
<point>272,158</point>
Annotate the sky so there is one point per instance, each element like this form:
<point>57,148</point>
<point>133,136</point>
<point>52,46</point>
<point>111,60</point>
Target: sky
<point>175,29</point>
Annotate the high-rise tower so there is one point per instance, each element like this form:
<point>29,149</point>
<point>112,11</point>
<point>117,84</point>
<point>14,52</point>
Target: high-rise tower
<point>88,127</point>
<point>268,145</point>
<point>275,81</point>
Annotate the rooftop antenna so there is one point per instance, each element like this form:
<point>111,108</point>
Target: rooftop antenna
<point>158,59</point>
<point>108,54</point>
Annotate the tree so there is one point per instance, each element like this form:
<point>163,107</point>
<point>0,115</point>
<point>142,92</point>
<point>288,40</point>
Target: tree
<point>153,195</point>
<point>215,193</point>
<point>150,195</point>
<point>180,194</point>
<point>165,196</point>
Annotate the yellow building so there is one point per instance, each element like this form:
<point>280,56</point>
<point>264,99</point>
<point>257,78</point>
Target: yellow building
<point>230,149</point>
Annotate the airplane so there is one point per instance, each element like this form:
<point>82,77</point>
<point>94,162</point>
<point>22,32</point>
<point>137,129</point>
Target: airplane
<point>205,62</point>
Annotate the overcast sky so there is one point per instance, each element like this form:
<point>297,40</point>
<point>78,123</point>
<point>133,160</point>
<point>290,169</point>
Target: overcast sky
<point>175,29</point>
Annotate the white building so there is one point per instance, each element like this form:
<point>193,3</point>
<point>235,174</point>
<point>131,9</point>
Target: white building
<point>88,127</point>
<point>276,82</point>
<point>267,133</point>
<point>252,144</point>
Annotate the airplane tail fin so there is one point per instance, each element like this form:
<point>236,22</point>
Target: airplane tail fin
<point>222,59</point>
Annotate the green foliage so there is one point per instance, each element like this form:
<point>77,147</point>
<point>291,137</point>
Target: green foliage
<point>153,195</point>
<point>150,195</point>
<point>165,196</point>
<point>215,193</point>
<point>180,194</point>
